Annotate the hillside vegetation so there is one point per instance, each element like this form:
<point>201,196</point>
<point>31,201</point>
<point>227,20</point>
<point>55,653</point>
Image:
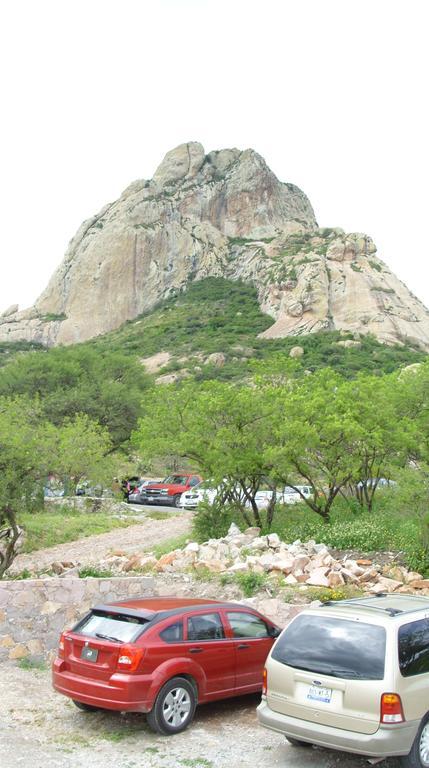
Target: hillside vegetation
<point>218,315</point>
<point>254,421</point>
<point>105,379</point>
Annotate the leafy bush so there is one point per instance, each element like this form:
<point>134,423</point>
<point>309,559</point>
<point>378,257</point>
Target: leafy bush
<point>211,521</point>
<point>93,572</point>
<point>24,574</point>
<point>169,546</point>
<point>325,593</point>
<point>387,528</point>
<point>250,582</point>
<point>32,664</point>
<point>108,386</point>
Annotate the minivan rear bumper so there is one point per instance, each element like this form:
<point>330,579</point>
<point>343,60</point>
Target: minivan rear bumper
<point>387,741</point>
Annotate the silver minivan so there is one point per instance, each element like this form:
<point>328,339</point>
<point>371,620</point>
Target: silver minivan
<point>353,675</point>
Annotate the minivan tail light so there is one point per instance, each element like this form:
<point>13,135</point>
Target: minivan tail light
<point>391,709</point>
<point>264,682</point>
<point>129,658</point>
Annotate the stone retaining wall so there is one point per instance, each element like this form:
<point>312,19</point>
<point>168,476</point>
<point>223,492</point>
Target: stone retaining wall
<point>33,612</point>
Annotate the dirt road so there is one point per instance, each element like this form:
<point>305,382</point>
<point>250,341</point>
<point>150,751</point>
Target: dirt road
<point>139,537</point>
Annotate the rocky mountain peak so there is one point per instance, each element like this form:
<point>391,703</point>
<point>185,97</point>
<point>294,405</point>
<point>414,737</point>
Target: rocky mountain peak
<point>224,213</point>
<point>180,163</point>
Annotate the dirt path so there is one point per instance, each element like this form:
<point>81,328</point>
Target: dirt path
<point>45,730</point>
<point>140,537</point>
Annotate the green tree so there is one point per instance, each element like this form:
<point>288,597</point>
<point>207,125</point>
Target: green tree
<point>222,429</point>
<point>339,436</point>
<point>386,435</point>
<point>80,448</point>
<point>315,438</point>
<point>30,449</point>
<point>412,402</point>
<point>106,386</point>
<point>22,464</point>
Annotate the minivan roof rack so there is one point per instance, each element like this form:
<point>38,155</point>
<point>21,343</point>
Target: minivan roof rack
<point>386,609</point>
<point>390,611</point>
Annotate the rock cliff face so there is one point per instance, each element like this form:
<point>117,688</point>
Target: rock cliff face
<point>222,214</point>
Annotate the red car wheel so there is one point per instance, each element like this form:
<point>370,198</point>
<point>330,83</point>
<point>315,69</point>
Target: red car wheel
<point>174,707</point>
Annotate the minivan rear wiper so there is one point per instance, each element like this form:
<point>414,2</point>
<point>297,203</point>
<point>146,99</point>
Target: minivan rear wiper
<point>331,672</point>
<point>108,637</point>
<point>343,673</point>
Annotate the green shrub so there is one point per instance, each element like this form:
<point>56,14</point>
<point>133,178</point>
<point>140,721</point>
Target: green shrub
<point>375,265</point>
<point>391,526</point>
<point>89,571</point>
<point>24,574</point>
<point>52,316</point>
<point>32,664</point>
<point>326,593</point>
<point>250,582</point>
<point>211,521</point>
<point>169,546</point>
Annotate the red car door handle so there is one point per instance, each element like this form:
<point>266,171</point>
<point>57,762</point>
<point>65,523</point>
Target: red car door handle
<point>195,650</point>
<point>241,646</point>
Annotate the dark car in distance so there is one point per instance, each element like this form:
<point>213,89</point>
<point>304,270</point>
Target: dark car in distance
<point>163,656</point>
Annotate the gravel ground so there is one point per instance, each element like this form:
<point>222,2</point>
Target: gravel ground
<point>136,538</point>
<point>42,729</point>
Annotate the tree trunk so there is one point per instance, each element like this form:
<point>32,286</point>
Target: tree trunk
<point>9,536</point>
<point>271,507</point>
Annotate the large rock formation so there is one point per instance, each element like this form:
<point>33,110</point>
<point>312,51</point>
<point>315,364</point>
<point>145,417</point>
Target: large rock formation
<point>226,214</point>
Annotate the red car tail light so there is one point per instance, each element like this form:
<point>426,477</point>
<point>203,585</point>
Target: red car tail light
<point>391,709</point>
<point>129,658</point>
<point>61,653</point>
<point>264,682</point>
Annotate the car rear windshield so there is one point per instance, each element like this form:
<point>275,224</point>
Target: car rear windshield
<point>116,627</point>
<point>347,649</point>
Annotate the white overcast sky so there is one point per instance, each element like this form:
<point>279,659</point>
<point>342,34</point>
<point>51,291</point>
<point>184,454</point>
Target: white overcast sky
<point>333,93</point>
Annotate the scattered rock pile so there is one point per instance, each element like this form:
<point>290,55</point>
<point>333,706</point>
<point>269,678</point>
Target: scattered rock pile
<point>307,564</point>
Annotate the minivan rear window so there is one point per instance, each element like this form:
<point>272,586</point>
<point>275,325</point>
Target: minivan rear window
<point>115,627</point>
<point>337,647</point>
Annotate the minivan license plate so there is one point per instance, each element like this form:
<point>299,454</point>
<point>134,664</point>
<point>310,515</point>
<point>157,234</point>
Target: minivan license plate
<point>89,654</point>
<point>319,694</point>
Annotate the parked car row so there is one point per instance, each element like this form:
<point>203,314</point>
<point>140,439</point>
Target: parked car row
<point>136,492</point>
<point>349,675</point>
<point>205,492</point>
<point>168,492</point>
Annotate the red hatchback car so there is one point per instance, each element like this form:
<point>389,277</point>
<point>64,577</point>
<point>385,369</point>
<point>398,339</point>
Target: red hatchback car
<point>163,656</point>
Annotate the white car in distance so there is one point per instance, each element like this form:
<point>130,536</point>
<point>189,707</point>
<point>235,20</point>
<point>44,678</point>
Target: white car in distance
<point>205,492</point>
<point>202,492</point>
<point>288,496</point>
<point>292,496</point>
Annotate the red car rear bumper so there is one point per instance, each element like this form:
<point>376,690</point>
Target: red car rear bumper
<point>123,692</point>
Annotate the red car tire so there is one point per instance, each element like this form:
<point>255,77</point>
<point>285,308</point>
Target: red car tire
<point>174,707</point>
